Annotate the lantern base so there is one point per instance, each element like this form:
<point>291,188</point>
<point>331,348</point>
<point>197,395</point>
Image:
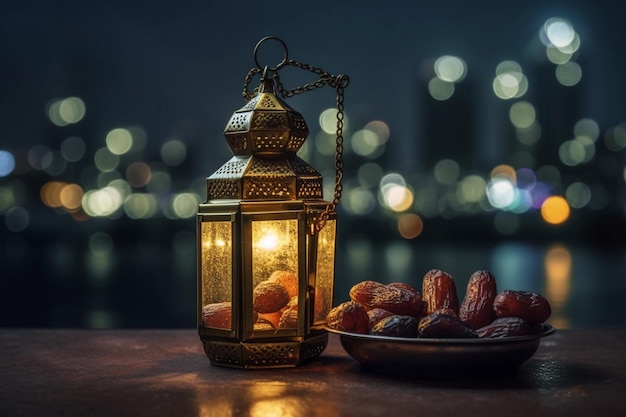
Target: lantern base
<point>264,354</point>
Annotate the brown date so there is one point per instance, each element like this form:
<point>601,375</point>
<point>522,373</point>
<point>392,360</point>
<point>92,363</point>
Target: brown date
<point>287,280</point>
<point>395,326</point>
<point>401,301</point>
<point>477,307</point>
<point>269,297</point>
<point>217,315</point>
<point>529,306</point>
<point>377,314</point>
<point>349,317</point>
<point>288,318</point>
<point>405,286</point>
<point>444,326</point>
<point>504,327</point>
<point>439,291</point>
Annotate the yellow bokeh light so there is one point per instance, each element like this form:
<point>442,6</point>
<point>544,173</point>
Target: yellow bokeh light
<point>328,121</point>
<point>119,141</point>
<point>555,210</point>
<point>450,68</point>
<point>398,198</point>
<point>63,112</point>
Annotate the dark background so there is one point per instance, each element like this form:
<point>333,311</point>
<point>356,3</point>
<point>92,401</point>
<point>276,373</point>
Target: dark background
<point>175,70</point>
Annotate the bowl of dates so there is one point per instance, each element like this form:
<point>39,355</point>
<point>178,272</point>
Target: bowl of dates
<point>397,329</point>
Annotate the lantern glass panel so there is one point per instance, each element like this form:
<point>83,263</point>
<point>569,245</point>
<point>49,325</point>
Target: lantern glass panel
<point>275,246</point>
<point>217,267</point>
<point>325,268</point>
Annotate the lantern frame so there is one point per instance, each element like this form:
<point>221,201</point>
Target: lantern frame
<point>265,181</point>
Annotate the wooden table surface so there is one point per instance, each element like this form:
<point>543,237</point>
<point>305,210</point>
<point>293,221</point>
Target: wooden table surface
<point>579,372</point>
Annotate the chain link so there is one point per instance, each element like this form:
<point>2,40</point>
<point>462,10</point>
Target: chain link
<point>339,83</point>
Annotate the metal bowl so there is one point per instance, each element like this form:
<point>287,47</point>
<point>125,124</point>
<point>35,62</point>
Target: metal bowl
<point>441,358</point>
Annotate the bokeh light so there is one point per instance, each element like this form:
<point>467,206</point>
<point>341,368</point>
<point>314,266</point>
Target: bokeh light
<point>7,163</point>
<point>73,149</point>
<point>119,141</point>
<point>17,219</point>
<point>106,161</point>
<point>359,200</point>
<point>369,174</point>
<point>410,225</point>
<point>569,74</point>
<point>173,152</point>
<point>559,32</point>
<point>555,210</point>
<point>446,171</point>
<point>510,81</point>
<point>141,206</point>
<point>185,205</point>
<point>588,128</point>
<point>65,111</point>
<point>501,192</point>
<point>394,193</point>
<point>615,138</point>
<point>367,143</point>
<point>328,121</point>
<point>522,115</point>
<point>138,174</point>
<point>439,89</point>
<point>471,189</point>
<point>450,68</point>
<point>578,195</point>
<point>102,202</point>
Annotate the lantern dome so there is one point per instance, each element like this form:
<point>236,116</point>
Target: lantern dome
<point>264,136</point>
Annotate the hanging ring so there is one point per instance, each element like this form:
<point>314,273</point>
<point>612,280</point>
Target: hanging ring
<point>256,52</point>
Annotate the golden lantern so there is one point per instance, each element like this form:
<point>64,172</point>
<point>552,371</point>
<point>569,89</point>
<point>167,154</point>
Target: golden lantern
<point>266,236</point>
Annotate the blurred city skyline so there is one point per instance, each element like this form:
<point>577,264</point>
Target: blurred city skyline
<point>464,122</point>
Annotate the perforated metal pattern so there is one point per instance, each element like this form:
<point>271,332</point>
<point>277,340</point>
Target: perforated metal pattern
<point>223,353</point>
<point>269,120</point>
<point>261,355</point>
<point>264,189</point>
<point>238,143</point>
<point>238,122</point>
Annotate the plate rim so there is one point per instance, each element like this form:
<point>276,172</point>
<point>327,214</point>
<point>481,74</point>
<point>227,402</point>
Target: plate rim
<point>547,330</point>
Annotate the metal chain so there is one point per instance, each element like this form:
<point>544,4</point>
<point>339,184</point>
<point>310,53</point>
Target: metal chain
<point>339,83</point>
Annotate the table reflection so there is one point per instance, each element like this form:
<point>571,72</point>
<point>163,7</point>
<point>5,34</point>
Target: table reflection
<point>264,398</point>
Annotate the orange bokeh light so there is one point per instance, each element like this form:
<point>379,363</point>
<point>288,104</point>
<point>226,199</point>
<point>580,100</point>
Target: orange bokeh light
<point>555,210</point>
<point>410,226</point>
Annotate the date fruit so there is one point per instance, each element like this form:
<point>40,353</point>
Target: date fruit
<point>401,301</point>
<point>395,326</point>
<point>217,315</point>
<point>269,297</point>
<point>504,327</point>
<point>439,292</point>
<point>287,280</point>
<point>444,326</point>
<point>529,306</point>
<point>377,314</point>
<point>477,307</point>
<point>349,316</point>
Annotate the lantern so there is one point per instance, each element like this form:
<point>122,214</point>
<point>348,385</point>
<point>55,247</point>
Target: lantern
<point>266,236</point>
